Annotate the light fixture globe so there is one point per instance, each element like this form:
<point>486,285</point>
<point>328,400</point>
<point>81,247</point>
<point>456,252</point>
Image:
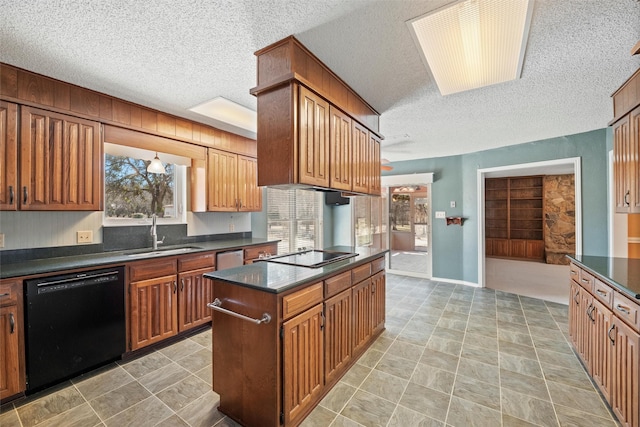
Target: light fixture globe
<point>156,166</point>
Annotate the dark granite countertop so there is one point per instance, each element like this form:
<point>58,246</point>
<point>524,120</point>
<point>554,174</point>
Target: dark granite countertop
<point>276,278</point>
<point>52,265</point>
<point>621,273</point>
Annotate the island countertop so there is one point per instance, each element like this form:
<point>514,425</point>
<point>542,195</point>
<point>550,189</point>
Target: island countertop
<point>276,278</point>
<point>622,273</point>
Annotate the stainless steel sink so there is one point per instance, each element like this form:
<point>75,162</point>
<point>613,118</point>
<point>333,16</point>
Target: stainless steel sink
<point>164,252</point>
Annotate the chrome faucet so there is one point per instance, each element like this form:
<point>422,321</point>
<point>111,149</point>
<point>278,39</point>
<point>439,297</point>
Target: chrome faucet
<point>154,234</point>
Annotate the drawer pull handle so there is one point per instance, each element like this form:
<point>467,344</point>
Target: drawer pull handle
<point>12,323</point>
<point>601,293</point>
<point>4,295</point>
<point>573,272</point>
<point>586,281</point>
<point>625,310</point>
<point>217,306</point>
<point>613,342</point>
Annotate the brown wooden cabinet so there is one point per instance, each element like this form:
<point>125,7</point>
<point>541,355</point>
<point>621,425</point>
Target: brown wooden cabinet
<point>12,367</point>
<point>232,182</point>
<point>8,156</point>
<point>626,142</point>
<point>312,128</point>
<point>194,291</point>
<point>303,367</point>
<point>294,360</point>
<point>337,334</point>
<point>514,217</point>
<point>607,341</point>
<point>61,162</point>
<point>625,363</point>
<point>154,310</point>
<point>313,165</point>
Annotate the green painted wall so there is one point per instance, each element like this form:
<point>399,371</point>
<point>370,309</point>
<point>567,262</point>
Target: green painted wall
<point>455,249</point>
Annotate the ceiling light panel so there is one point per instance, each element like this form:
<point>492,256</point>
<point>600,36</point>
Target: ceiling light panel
<point>229,112</point>
<point>473,43</point>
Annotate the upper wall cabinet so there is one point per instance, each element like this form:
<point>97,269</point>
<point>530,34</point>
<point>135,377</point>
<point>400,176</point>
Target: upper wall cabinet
<point>8,156</point>
<point>231,183</point>
<point>626,139</point>
<point>313,130</point>
<point>53,163</point>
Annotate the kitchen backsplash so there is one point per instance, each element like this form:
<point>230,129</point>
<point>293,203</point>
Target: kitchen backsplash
<point>28,230</point>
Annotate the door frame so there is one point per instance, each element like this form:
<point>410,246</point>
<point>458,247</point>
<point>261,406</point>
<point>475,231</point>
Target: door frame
<point>547,167</point>
<point>425,179</point>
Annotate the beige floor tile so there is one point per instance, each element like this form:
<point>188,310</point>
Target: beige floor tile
<point>146,413</point>
<point>80,416</point>
<point>368,409</point>
<point>49,406</point>
<point>115,401</point>
<point>464,413</point>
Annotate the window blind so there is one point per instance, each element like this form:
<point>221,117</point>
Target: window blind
<point>295,218</point>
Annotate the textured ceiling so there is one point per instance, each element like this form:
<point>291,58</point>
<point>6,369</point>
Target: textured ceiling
<point>175,54</point>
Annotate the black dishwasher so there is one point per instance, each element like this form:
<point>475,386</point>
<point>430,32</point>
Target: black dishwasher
<point>75,322</point>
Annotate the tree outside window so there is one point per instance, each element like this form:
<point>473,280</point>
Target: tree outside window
<point>132,192</point>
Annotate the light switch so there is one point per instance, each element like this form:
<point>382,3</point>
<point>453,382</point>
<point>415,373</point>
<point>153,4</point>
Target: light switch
<point>452,203</point>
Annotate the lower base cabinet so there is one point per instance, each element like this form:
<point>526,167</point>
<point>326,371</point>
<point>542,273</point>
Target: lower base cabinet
<point>12,368</point>
<point>274,374</point>
<point>606,344</point>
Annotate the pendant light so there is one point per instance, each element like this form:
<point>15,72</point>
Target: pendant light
<point>156,165</point>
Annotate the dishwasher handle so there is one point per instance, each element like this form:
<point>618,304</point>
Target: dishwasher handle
<point>217,306</point>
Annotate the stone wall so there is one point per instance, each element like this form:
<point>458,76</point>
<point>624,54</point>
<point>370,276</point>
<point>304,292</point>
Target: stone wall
<point>559,218</point>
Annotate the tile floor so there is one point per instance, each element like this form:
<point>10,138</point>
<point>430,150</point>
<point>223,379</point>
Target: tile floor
<point>452,355</point>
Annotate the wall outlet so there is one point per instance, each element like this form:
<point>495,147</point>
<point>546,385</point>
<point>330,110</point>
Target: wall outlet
<point>1,240</point>
<point>441,214</point>
<point>231,227</point>
<point>85,236</point>
<point>452,203</point>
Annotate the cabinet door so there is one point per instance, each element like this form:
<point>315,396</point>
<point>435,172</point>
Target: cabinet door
<point>221,185</point>
<point>361,165</point>
<point>584,328</point>
<point>574,311</point>
<point>361,314</point>
<point>9,352</point>
<point>634,160</point>
<point>378,292</point>
<point>601,351</point>
<point>194,294</point>
<point>341,148</point>
<point>625,399</point>
<point>154,310</point>
<point>61,162</point>
<point>249,194</point>
<point>621,164</point>
<point>303,375</point>
<point>313,139</point>
<point>375,187</point>
<point>8,156</point>
<point>337,334</point>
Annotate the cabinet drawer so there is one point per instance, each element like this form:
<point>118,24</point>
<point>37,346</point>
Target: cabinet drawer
<point>196,262</point>
<point>299,301</point>
<point>603,292</point>
<point>377,265</point>
<point>9,293</point>
<point>152,269</point>
<point>586,280</point>
<point>358,274</point>
<point>574,272</point>
<point>254,252</point>
<point>337,284</point>
<point>627,309</point>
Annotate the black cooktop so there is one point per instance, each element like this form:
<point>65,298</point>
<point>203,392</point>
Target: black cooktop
<point>311,259</point>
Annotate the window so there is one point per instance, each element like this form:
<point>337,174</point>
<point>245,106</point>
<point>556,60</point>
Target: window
<point>295,217</point>
<point>133,194</point>
<point>370,221</point>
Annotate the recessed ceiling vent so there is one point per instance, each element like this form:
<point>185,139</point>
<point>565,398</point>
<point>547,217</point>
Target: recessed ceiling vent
<point>473,43</point>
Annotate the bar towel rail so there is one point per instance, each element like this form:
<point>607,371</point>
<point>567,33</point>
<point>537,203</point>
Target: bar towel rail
<point>217,305</point>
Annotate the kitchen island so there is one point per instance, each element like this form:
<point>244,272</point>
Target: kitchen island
<point>283,335</point>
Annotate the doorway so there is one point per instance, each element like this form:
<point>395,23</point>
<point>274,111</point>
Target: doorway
<point>410,229</point>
